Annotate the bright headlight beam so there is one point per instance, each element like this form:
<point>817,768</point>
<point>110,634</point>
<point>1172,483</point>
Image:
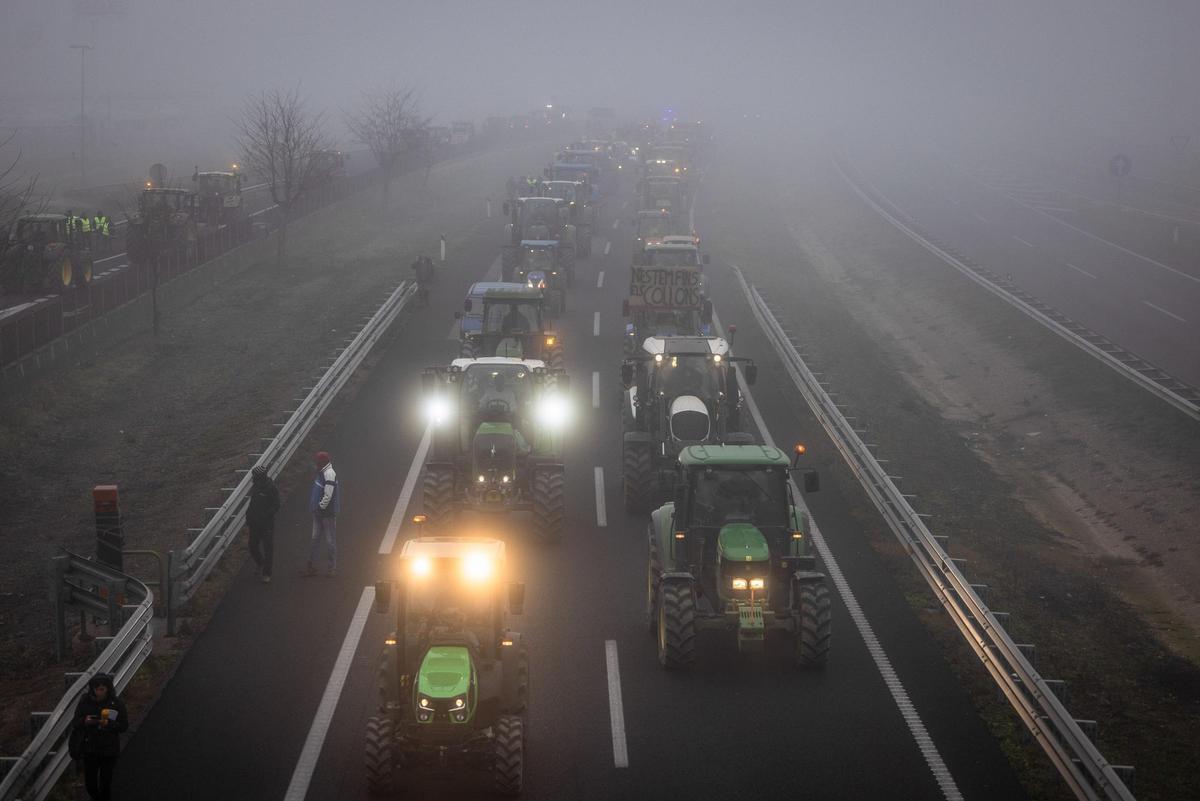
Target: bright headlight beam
<point>437,410</point>
<point>553,411</point>
<point>476,567</point>
<point>422,567</point>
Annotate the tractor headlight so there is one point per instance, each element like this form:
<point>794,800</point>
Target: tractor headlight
<point>437,410</point>
<point>482,479</point>
<point>477,567</point>
<point>458,709</point>
<point>757,583</point>
<point>504,479</point>
<point>424,709</point>
<point>553,411</point>
<point>739,584</point>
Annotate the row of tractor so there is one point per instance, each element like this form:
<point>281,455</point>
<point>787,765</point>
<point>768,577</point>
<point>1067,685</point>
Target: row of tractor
<point>728,541</point>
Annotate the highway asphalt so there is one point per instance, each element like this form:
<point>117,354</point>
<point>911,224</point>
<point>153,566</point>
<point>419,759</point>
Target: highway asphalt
<point>246,704</point>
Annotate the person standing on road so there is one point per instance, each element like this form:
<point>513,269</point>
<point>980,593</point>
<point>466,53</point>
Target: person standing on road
<point>100,717</point>
<point>260,517</point>
<point>102,233</point>
<point>324,503</point>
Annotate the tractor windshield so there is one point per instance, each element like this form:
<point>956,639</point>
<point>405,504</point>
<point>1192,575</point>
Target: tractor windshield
<point>755,495</point>
<point>511,318</point>
<point>688,375</point>
<point>564,190</point>
<point>538,259</point>
<point>41,230</point>
<point>503,388</point>
<point>683,257</point>
<point>216,184</point>
<point>653,226</point>
<point>543,210</point>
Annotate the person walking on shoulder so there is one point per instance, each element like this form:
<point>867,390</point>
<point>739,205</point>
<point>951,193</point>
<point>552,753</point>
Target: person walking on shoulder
<point>260,517</point>
<point>324,503</point>
<point>100,717</point>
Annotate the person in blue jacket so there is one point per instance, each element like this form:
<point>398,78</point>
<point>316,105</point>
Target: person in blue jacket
<point>324,502</point>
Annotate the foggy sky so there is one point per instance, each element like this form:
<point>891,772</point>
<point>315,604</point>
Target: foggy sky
<point>1121,70</point>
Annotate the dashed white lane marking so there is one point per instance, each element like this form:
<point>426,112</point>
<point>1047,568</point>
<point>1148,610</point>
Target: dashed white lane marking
<point>908,712</point>
<point>302,775</point>
<point>601,513</point>
<point>1022,241</point>
<point>600,280</point>
<point>596,324</point>
<point>1079,270</point>
<point>595,390</point>
<point>406,492</point>
<point>607,247</point>
<point>615,224</point>
<point>616,711</point>
<point>1164,311</point>
<point>981,219</point>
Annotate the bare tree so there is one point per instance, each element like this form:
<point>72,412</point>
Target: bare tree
<point>388,124</point>
<point>285,143</point>
<point>16,190</point>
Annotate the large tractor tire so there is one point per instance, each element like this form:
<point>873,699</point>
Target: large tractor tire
<point>653,583</point>
<point>508,756</point>
<point>83,272</point>
<point>60,274</point>
<point>813,622</point>
<point>554,358</point>
<point>380,753</point>
<point>518,690</point>
<point>676,625</point>
<point>637,476</point>
<point>437,495</point>
<point>549,504</point>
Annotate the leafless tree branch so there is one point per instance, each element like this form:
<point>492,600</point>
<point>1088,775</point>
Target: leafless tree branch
<point>389,124</point>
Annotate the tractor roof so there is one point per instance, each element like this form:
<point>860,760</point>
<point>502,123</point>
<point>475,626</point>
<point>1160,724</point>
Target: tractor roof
<point>163,190</point>
<point>657,213</point>
<point>452,548</point>
<point>478,288</point>
<point>530,364</point>
<point>686,346</point>
<point>539,243</point>
<point>570,165</point>
<point>513,292</point>
<point>680,239</point>
<point>218,172</point>
<point>732,456</point>
<point>671,247</point>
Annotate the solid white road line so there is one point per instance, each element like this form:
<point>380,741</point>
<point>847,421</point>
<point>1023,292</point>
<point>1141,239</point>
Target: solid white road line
<point>1164,311</point>
<point>600,280</point>
<point>1079,270</point>
<point>607,247</point>
<point>406,492</point>
<point>298,787</point>
<point>601,513</point>
<point>616,711</point>
<point>908,711</point>
<point>596,324</point>
<point>1022,241</point>
<point>595,390</point>
<point>615,224</point>
<point>981,219</point>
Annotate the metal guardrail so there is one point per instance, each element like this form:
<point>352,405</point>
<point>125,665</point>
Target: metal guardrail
<point>188,568</point>
<point>1074,756</point>
<point>89,585</point>
<point>1149,377</point>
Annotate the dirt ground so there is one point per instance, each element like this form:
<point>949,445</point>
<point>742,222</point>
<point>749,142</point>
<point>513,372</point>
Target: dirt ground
<point>170,419</point>
<point>1072,495</point>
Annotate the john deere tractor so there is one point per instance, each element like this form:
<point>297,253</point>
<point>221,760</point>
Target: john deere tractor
<point>453,678</point>
<point>497,441</point>
<point>513,324</point>
<point>44,255</point>
<point>733,552</point>
<point>680,391</point>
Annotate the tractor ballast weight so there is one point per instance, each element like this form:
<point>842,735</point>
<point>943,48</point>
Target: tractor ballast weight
<point>453,678</point>
<point>733,552</point>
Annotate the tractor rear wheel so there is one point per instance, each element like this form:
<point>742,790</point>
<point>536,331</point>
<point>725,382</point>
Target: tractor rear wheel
<point>549,504</point>
<point>653,583</point>
<point>676,625</point>
<point>812,624</point>
<point>508,756</point>
<point>380,753</point>
<point>83,273</point>
<point>637,476</point>
<point>59,275</point>
<point>437,495</point>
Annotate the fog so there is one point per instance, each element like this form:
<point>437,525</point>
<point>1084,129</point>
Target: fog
<point>1066,75</point>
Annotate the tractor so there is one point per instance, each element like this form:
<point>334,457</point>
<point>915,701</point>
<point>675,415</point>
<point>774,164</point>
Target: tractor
<point>539,219</point>
<point>453,679</point>
<point>732,552</point>
<point>512,324</point>
<point>578,197</point>
<point>219,198</point>
<point>539,266</point>
<point>680,391</point>
<point>651,226</point>
<point>665,193</point>
<point>165,221</point>
<point>43,255</point>
<point>497,444</point>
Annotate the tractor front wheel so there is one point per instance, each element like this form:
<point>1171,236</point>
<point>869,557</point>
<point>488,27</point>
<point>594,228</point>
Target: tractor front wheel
<point>508,756</point>
<point>380,753</point>
<point>437,495</point>
<point>676,625</point>
<point>813,621</point>
<point>637,476</point>
<point>549,504</point>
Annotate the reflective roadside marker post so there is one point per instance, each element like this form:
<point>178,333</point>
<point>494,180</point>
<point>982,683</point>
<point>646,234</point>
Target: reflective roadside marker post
<point>489,208</point>
<point>110,536</point>
<point>443,247</point>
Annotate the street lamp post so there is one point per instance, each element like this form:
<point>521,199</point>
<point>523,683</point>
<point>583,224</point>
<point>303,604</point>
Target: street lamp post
<point>82,48</point>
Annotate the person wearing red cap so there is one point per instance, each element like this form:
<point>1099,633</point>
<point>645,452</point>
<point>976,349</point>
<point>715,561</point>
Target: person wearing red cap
<point>324,502</point>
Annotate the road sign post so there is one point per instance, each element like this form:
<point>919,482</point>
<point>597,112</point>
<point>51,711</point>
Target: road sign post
<point>1119,166</point>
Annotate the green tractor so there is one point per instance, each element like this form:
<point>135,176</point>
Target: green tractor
<point>497,444</point>
<point>513,323</point>
<point>453,679</point>
<point>680,391</point>
<point>45,255</point>
<point>732,552</point>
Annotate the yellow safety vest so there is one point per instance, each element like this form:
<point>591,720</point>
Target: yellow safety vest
<point>100,223</point>
<point>85,225</point>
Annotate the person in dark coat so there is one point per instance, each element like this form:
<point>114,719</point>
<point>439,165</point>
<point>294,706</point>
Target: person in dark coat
<point>260,517</point>
<point>100,718</point>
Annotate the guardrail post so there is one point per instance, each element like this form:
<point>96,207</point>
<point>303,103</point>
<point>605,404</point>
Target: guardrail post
<point>169,590</point>
<point>58,569</point>
<point>114,607</point>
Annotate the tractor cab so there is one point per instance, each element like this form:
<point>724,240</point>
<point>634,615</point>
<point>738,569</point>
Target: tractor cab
<point>219,196</point>
<point>673,254</point>
<point>662,192</point>
<point>652,226</point>
<point>513,324</point>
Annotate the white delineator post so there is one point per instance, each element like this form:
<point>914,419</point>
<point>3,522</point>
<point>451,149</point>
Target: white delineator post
<point>443,247</point>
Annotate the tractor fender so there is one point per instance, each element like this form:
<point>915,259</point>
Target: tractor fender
<point>545,464</point>
<point>808,576</point>
<point>680,576</point>
<point>639,436</point>
<point>662,524</point>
